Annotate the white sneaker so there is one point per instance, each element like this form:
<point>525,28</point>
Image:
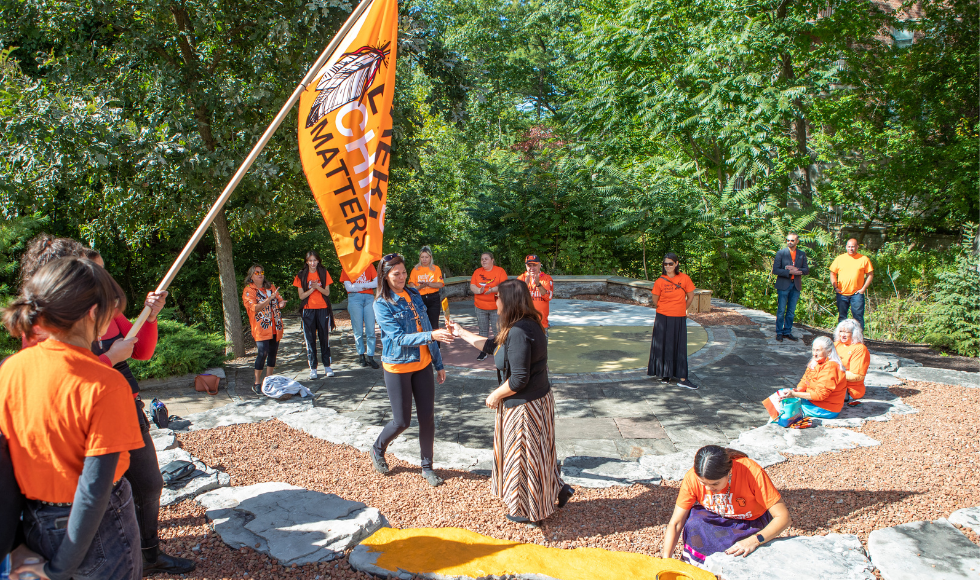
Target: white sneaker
<point>328,371</point>
<point>313,375</point>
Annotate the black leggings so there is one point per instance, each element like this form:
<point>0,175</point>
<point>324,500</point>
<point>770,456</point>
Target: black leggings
<point>401,388</point>
<point>316,324</point>
<point>267,348</point>
<point>147,483</point>
<point>432,307</point>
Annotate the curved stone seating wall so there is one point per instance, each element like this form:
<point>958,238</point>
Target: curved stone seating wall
<point>568,286</point>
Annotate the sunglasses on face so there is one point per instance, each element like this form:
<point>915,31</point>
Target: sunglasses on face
<point>791,240</point>
<point>668,263</point>
<point>389,257</point>
<point>259,272</point>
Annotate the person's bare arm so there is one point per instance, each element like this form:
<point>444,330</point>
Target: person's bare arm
<point>673,531</point>
<point>471,337</point>
<point>833,281</point>
<point>853,377</point>
<point>654,300</point>
<point>475,289</point>
<point>780,521</point>
<point>688,299</point>
<point>867,282</point>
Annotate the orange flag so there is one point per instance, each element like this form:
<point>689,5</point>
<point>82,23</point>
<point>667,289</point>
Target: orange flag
<point>345,135</point>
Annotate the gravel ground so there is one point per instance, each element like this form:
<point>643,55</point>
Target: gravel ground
<point>924,469</point>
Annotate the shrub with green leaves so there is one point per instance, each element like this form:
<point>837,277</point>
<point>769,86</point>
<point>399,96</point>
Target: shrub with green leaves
<point>181,349</point>
<point>955,318</point>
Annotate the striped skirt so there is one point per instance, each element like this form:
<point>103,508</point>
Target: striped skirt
<point>525,463</point>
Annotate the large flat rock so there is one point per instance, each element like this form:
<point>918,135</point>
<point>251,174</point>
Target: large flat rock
<point>967,517</point>
<point>253,411</point>
<point>766,445</point>
<point>205,478</point>
<point>163,439</point>
<point>289,523</point>
<point>834,556</point>
<point>944,376</point>
<point>883,361</point>
<point>914,551</point>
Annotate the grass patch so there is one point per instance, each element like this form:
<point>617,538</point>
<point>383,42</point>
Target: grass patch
<point>181,350</point>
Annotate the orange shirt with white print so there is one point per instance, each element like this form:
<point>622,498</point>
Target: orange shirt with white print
<point>673,294</point>
<point>425,274</point>
<point>367,276</point>
<point>425,357</point>
<point>541,296</point>
<point>58,405</point>
<point>486,280</point>
<point>856,359</point>
<point>826,384</point>
<point>749,495</point>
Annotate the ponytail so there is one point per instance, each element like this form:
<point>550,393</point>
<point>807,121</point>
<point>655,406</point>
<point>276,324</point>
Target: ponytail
<point>713,462</point>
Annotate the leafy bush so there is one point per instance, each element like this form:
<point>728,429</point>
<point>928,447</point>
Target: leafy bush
<point>954,321</point>
<point>181,349</point>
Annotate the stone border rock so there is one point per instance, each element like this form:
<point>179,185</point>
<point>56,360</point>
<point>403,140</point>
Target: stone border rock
<point>205,479</point>
<point>967,517</point>
<point>834,556</point>
<point>934,550</point>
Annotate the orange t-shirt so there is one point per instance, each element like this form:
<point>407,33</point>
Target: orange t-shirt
<point>430,274</point>
<point>827,384</point>
<point>856,359</point>
<point>316,299</point>
<point>425,357</point>
<point>851,272</point>
<point>750,494</point>
<point>58,405</point>
<point>673,294</point>
<point>485,280</point>
<point>367,276</point>
<point>541,298</point>
<point>266,323</point>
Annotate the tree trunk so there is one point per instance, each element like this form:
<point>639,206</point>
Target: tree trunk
<point>229,286</point>
<point>645,275</point>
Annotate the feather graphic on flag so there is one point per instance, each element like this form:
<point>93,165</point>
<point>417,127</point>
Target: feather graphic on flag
<point>347,80</point>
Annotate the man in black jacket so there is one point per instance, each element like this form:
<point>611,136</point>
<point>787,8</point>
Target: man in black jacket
<point>789,266</point>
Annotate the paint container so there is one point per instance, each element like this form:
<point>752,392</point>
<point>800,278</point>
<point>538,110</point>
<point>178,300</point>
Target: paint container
<point>671,575</point>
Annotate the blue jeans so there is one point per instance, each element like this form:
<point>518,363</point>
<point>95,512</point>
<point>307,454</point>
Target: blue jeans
<point>361,310</point>
<point>856,303</point>
<point>786,310</point>
<point>115,550</point>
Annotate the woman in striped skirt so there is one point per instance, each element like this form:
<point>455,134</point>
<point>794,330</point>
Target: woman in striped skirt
<point>525,467</point>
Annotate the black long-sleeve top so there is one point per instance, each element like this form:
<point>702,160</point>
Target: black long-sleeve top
<point>523,359</point>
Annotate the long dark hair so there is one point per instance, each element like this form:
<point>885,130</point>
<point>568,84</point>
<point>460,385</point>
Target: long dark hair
<point>313,254</point>
<point>673,258</point>
<point>60,294</point>
<point>44,248</point>
<point>517,304</point>
<point>384,288</point>
<point>248,277</point>
<point>712,462</point>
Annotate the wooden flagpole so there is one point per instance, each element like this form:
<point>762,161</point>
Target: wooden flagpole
<point>219,204</point>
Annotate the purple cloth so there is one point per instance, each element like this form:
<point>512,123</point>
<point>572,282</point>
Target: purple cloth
<point>706,533</point>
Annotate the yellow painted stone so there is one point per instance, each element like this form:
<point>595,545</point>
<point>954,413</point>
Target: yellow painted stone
<point>459,552</point>
<point>602,349</point>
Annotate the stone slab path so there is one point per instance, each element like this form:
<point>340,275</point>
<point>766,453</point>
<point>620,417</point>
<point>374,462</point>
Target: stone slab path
<point>834,556</point>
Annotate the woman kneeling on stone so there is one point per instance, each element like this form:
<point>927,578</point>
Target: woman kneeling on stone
<point>525,466</point>
<point>727,503</point>
<point>824,384</point>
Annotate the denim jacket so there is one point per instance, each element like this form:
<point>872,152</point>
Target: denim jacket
<point>400,338</point>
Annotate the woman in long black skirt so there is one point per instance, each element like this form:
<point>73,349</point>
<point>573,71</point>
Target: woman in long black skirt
<point>672,294</point>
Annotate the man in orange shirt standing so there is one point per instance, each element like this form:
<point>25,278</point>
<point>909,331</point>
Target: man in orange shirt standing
<point>483,285</point>
<point>850,275</point>
<point>541,285</point>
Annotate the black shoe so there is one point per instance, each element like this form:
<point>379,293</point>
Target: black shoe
<point>521,520</point>
<point>564,494</point>
<point>371,362</point>
<point>379,463</point>
<point>482,356</point>
<point>155,561</point>
<point>779,338</point>
<point>257,389</point>
<point>431,477</point>
<point>687,384</point>
<point>791,337</point>
<point>665,380</point>
<point>362,360</point>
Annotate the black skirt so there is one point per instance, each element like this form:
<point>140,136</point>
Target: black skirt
<point>668,351</point>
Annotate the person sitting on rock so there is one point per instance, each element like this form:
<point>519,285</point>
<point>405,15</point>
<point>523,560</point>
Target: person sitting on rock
<point>849,343</point>
<point>824,385</point>
<point>726,503</point>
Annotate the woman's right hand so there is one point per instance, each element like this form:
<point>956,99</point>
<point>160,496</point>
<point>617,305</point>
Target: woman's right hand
<point>121,350</point>
<point>442,335</point>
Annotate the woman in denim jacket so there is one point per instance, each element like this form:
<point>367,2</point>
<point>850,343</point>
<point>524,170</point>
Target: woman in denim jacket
<point>409,352</point>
